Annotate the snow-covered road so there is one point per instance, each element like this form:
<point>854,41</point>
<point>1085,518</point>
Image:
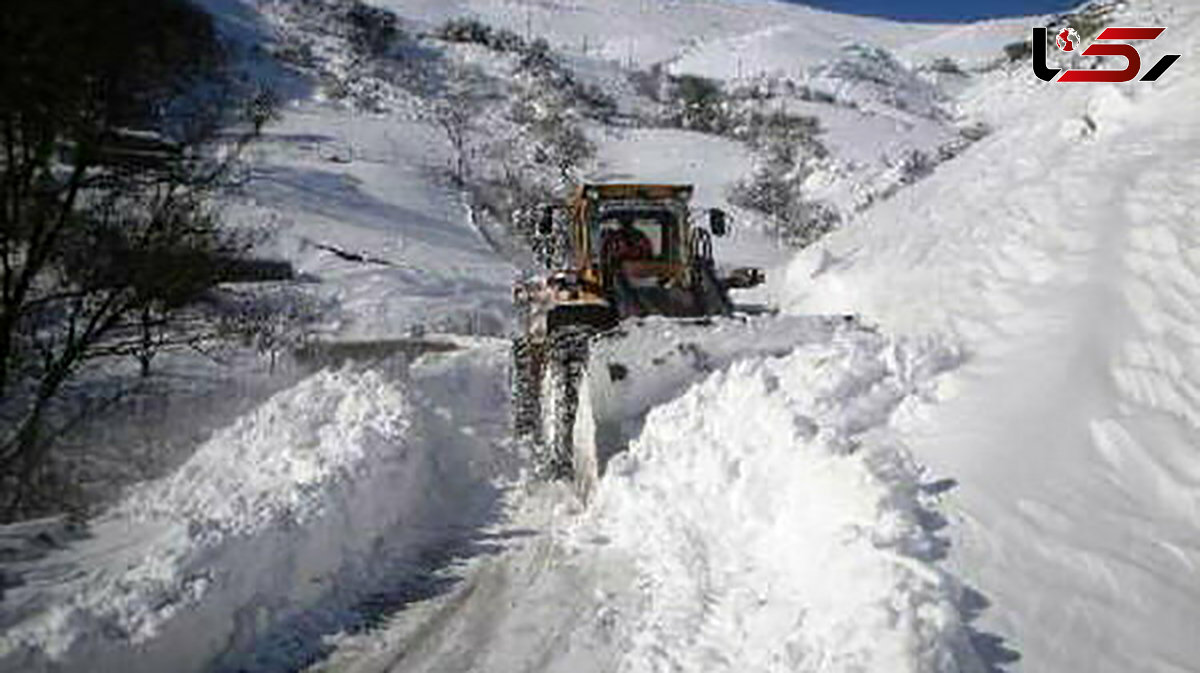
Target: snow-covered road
<point>766,519</point>
<point>993,468</point>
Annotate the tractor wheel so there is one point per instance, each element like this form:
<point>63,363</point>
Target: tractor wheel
<point>566,357</point>
<point>528,363</point>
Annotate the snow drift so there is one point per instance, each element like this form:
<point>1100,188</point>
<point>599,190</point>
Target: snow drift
<point>1061,254</point>
<point>315,500</point>
<point>777,524</point>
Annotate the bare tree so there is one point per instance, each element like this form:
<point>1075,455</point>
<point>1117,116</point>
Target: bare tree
<point>456,110</point>
<point>113,138</point>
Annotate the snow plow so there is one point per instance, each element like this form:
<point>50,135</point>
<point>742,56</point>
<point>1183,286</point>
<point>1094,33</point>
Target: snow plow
<point>611,252</point>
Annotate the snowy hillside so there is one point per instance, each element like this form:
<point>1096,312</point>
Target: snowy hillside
<point>1061,255</point>
<point>640,32</point>
<point>966,444</point>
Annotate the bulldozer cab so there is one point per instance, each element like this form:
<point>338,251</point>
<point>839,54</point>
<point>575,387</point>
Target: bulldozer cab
<point>638,230</point>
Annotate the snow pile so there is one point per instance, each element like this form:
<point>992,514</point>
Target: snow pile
<point>310,500</point>
<point>777,524</point>
<point>1061,252</point>
<point>651,361</point>
<point>301,441</point>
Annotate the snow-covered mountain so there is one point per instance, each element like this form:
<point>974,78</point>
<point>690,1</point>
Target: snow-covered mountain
<point>990,467</point>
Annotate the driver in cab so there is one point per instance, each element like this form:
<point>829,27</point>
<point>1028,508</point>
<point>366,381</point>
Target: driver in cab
<point>624,242</point>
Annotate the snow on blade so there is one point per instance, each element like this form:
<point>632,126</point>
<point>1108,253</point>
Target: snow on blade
<point>777,525</point>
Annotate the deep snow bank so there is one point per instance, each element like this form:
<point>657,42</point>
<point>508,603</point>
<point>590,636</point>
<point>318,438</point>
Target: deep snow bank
<point>776,524</point>
<point>650,361</point>
<point>1061,252</point>
<point>317,498</point>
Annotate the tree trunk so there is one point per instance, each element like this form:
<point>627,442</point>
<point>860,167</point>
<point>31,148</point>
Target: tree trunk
<point>5,351</point>
<point>30,451</point>
<point>146,352</point>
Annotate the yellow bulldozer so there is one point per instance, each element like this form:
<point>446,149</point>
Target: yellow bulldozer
<point>610,252</point>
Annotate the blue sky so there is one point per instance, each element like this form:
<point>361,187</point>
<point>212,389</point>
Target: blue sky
<point>943,10</point>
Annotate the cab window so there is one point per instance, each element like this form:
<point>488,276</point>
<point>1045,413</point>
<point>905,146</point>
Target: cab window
<point>655,225</point>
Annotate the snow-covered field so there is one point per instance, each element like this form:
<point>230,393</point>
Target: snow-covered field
<point>991,467</point>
